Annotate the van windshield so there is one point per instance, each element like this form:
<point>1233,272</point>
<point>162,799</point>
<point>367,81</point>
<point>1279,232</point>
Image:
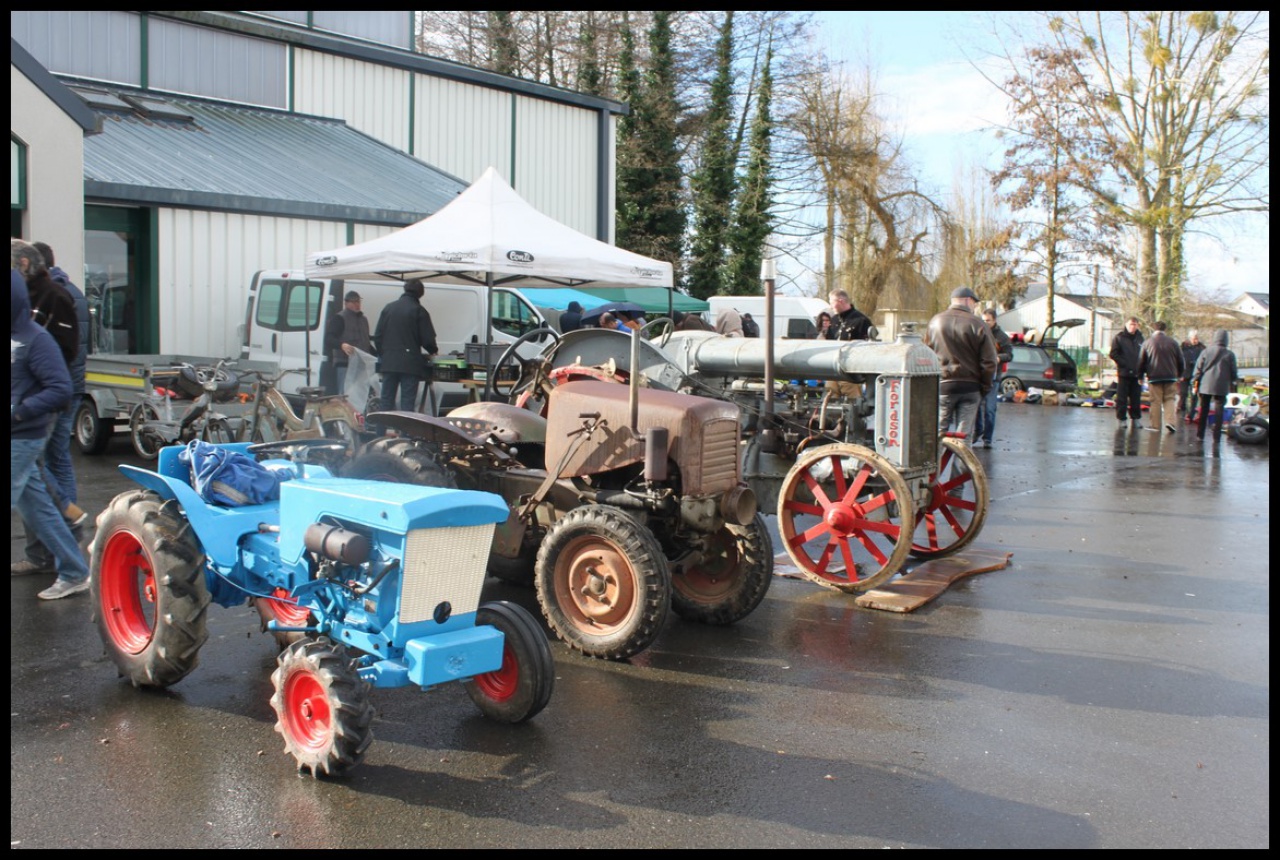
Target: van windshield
<point>512,315</point>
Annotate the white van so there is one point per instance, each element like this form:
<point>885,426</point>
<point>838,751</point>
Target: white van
<point>794,316</point>
<point>286,314</point>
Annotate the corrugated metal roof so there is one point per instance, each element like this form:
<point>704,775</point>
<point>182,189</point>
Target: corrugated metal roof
<point>256,160</point>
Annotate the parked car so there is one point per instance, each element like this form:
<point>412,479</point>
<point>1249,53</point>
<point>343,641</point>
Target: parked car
<point>1039,363</point>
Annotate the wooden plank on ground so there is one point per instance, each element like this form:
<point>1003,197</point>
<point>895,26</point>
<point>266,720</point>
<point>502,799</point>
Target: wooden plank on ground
<point>927,580</point>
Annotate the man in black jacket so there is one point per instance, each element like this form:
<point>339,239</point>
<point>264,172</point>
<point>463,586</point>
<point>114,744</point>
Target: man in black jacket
<point>344,333</point>
<point>1126,351</point>
<point>571,319</point>
<point>403,335</point>
<point>1191,349</point>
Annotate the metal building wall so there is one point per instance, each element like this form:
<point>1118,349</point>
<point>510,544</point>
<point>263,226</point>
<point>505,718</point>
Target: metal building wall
<point>71,42</point>
<point>183,58</point>
<point>206,260</point>
<point>557,154</point>
<point>371,98</point>
<point>461,128</point>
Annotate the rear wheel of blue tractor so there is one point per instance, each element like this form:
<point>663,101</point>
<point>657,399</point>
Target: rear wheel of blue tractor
<point>148,589</point>
<point>322,707</point>
<point>522,686</point>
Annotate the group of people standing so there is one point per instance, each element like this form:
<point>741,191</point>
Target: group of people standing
<point>1187,378</point>
<point>49,336</point>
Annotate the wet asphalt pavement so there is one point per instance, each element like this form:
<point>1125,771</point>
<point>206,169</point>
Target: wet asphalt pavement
<point>1110,689</point>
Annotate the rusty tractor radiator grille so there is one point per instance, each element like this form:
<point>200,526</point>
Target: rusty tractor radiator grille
<point>719,456</point>
<point>443,564</point>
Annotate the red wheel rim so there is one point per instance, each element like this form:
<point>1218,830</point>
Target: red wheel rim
<point>595,585</point>
<point>286,610</point>
<point>306,711</point>
<point>844,519</point>
<point>501,684</point>
<point>127,592</point>
<point>944,498</point>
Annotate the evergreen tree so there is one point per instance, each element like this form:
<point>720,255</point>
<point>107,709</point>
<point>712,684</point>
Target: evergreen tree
<point>627,221</point>
<point>590,80</point>
<point>502,36</point>
<point>654,196</point>
<point>753,221</point>
<point>713,180</point>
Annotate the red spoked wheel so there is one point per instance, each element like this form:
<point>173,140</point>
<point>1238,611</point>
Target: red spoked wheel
<point>284,610</point>
<point>958,500</point>
<point>845,517</point>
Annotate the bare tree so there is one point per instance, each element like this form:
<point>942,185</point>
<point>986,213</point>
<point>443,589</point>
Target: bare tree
<point>1163,120</point>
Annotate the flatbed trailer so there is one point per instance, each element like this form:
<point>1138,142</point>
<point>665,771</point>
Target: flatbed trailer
<point>116,383</point>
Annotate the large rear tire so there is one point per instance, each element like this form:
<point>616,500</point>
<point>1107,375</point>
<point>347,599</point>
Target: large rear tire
<point>728,584</point>
<point>522,686</point>
<point>603,582</point>
<point>149,592</point>
<point>399,461</point>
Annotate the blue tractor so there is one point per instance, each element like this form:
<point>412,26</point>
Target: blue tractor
<point>366,583</point>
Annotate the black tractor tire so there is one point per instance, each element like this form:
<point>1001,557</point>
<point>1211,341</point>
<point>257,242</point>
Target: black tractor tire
<point>603,582</point>
<point>398,461</point>
<point>322,707</point>
<point>729,586</point>
<point>522,686</point>
<point>191,381</point>
<point>149,594</point>
<point>92,432</point>
<point>1251,431</point>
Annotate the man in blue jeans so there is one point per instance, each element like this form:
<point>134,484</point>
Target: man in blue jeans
<point>986,426</point>
<point>39,386</point>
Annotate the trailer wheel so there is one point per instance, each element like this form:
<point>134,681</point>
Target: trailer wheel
<point>399,461</point>
<point>144,445</point>
<point>322,707</point>
<point>91,431</point>
<point>522,686</point>
<point>845,517</point>
<point>958,502</point>
<point>603,582</point>
<point>729,584</point>
<point>285,611</point>
<point>148,590</point>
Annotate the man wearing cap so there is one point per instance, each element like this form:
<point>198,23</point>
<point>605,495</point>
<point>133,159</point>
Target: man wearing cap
<point>967,354</point>
<point>344,333</point>
<point>403,334</point>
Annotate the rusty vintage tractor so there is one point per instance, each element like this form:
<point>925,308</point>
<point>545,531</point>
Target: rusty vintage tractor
<point>858,474</point>
<point>624,504</point>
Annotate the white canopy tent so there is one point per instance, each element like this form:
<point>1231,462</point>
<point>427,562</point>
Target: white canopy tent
<point>489,234</point>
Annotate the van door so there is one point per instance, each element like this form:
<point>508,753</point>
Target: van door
<point>283,323</point>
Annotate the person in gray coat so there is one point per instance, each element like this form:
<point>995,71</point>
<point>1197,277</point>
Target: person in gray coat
<point>1213,379</point>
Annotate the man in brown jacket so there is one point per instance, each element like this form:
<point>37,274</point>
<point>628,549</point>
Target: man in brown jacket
<point>967,353</point>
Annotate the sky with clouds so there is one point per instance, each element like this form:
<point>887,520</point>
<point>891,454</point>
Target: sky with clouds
<point>944,106</point>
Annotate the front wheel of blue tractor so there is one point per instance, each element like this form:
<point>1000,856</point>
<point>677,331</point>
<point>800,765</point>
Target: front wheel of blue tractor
<point>148,590</point>
<point>322,707</point>
<point>522,686</point>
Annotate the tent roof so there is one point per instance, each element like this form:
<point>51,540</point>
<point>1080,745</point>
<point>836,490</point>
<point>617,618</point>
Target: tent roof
<point>653,300</point>
<point>489,230</point>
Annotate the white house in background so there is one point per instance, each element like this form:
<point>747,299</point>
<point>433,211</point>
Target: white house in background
<point>1253,304</point>
<point>1100,321</point>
